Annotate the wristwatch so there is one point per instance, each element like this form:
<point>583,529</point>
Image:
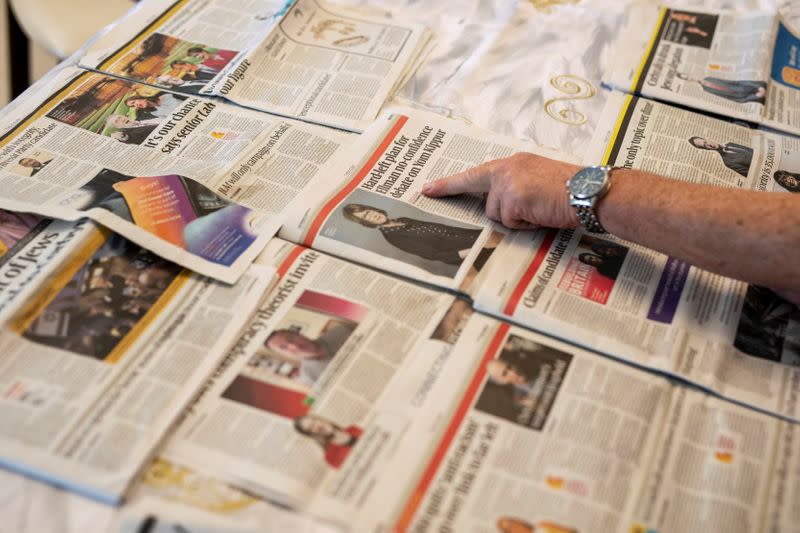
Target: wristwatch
<point>584,189</point>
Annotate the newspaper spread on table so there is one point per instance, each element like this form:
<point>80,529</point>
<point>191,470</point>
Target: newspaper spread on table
<point>305,60</point>
<point>647,308</point>
<point>375,214</point>
<point>741,65</point>
<point>201,183</point>
<point>30,248</point>
<point>547,437</point>
<point>100,359</point>
<point>335,368</point>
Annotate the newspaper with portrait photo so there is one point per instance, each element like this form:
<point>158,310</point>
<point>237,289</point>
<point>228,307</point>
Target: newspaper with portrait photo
<point>323,382</point>
<point>103,352</point>
<point>374,211</point>
<point>300,58</point>
<point>644,307</point>
<point>739,65</point>
<point>201,183</point>
<point>595,445</point>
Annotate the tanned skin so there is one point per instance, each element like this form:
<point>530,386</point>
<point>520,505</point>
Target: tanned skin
<point>747,235</point>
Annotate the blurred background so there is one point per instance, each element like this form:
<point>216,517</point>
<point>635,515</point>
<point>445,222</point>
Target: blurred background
<point>36,34</point>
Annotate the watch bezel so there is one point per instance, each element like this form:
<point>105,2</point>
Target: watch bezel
<point>597,191</point>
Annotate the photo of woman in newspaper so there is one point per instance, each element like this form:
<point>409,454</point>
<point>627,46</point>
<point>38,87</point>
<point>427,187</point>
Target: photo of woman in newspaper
<point>102,303</point>
<point>122,110</point>
<point>174,208</point>
<point>401,231</point>
<point>740,91</point>
<point>173,63</point>
<point>335,441</point>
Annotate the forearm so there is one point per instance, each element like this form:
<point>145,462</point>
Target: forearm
<point>747,235</point>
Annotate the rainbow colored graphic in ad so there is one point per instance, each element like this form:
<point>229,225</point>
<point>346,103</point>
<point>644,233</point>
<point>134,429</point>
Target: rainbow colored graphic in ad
<point>179,211</point>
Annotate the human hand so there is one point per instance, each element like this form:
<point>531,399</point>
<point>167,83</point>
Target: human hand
<point>525,191</point>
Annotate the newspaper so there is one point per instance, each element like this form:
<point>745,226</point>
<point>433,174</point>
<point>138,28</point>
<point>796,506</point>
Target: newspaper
<point>657,311</point>
<point>31,248</point>
<point>740,65</point>
<point>598,446</point>
<point>177,499</point>
<point>100,359</point>
<point>334,369</point>
<point>201,183</point>
<point>374,212</point>
<point>306,60</point>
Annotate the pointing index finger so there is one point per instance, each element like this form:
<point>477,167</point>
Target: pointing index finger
<point>477,179</point>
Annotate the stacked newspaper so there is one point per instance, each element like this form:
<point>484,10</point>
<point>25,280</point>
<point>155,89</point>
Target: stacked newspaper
<point>739,65</point>
<point>302,60</point>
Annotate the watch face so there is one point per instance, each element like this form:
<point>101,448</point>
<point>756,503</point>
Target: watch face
<point>587,183</point>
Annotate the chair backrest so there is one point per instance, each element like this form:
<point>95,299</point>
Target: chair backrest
<point>62,26</point>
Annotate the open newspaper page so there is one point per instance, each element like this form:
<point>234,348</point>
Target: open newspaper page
<point>715,61</point>
<point>167,171</point>
<point>182,44</point>
<point>101,359</point>
<point>642,306</point>
<point>373,212</point>
<point>336,368</point>
<point>546,437</point>
<point>720,467</point>
<point>30,248</point>
<point>300,59</point>
<point>326,65</point>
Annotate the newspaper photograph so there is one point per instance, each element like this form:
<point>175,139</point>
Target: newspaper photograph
<point>181,45</point>
<point>641,306</point>
<point>103,356</point>
<point>334,369</point>
<point>376,214</point>
<point>202,184</point>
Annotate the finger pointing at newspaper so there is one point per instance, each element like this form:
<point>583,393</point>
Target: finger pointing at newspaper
<point>523,191</point>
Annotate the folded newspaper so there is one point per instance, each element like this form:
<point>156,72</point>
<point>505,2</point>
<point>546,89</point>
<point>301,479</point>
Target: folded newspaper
<point>383,406</point>
<point>740,65</point>
<point>201,183</point>
<point>305,60</point>
<point>103,352</point>
<point>644,307</point>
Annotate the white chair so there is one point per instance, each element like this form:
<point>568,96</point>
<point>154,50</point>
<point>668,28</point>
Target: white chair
<point>62,26</point>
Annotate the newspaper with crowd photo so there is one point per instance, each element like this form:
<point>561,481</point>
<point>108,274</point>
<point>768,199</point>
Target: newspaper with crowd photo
<point>300,59</point>
<point>104,352</point>
<point>647,308</point>
<point>372,210</point>
<point>201,183</point>
<point>598,446</point>
<point>740,65</point>
<point>334,369</point>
